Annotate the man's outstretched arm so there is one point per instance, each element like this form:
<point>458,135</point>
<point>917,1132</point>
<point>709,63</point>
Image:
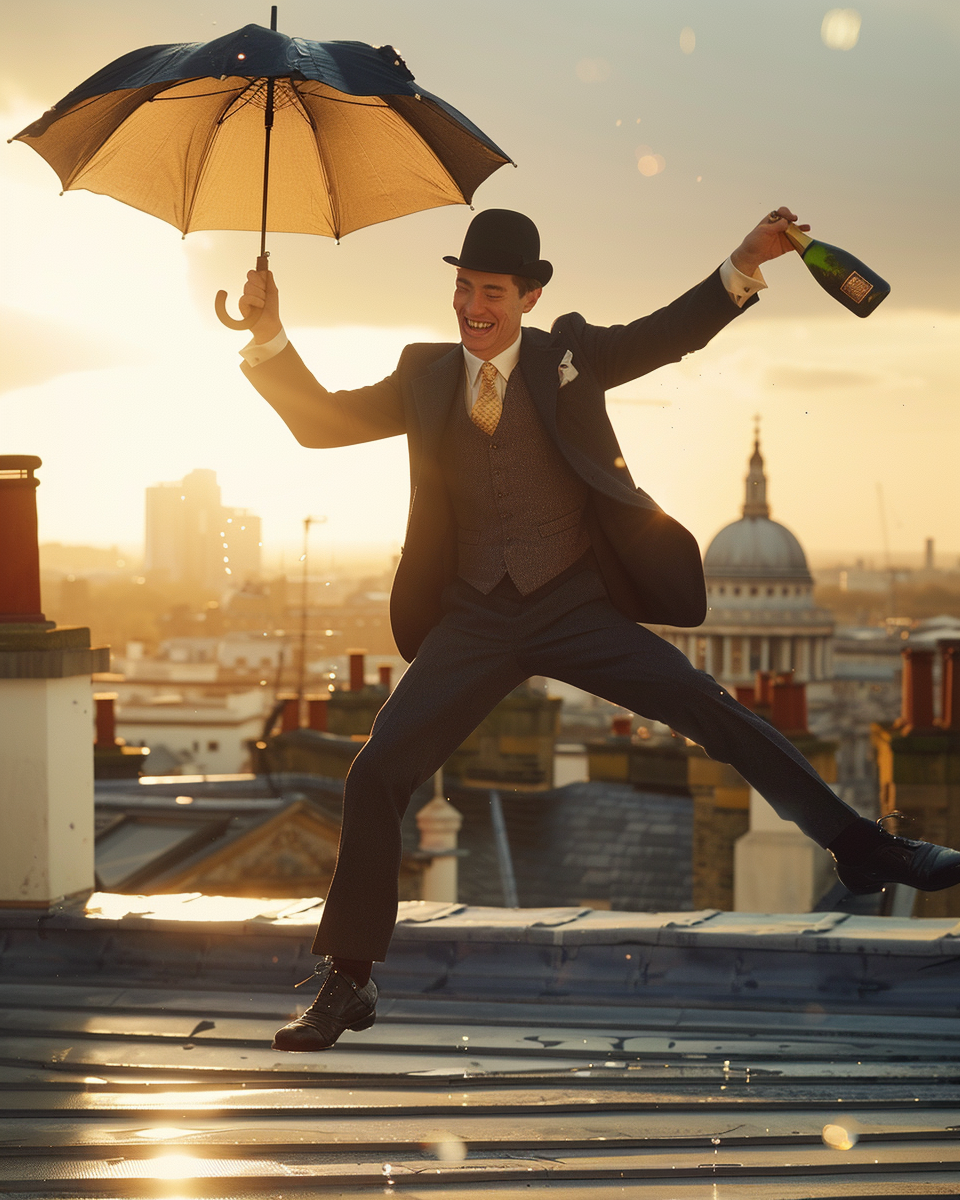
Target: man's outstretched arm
<point>620,353</point>
<point>315,417</point>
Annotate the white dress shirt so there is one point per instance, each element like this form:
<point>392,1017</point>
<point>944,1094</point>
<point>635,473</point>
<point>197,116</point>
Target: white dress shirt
<point>504,362</point>
<point>739,287</point>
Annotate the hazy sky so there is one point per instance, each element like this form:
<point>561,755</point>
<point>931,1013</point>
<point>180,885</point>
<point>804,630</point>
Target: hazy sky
<point>117,374</point>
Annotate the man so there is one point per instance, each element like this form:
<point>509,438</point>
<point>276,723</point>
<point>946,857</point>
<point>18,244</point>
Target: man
<point>529,551</point>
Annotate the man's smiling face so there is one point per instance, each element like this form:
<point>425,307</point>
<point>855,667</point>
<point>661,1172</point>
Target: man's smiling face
<point>489,309</point>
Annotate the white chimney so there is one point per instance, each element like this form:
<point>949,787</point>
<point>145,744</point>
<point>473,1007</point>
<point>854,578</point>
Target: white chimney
<point>46,718</point>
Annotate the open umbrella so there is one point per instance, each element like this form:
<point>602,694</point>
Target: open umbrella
<point>184,132</point>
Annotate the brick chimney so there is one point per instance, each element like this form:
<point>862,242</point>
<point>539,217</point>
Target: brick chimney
<point>789,705</point>
<point>317,707</point>
<point>916,713</point>
<point>356,669</point>
<point>106,722</point>
<point>950,686</point>
<point>46,710</point>
<point>290,714</point>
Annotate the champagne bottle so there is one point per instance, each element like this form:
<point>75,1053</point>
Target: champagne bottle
<point>846,278</point>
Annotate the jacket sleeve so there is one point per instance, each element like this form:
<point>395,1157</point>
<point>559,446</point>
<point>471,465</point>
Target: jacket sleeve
<point>619,353</point>
<point>319,418</point>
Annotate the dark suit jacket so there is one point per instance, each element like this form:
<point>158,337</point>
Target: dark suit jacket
<point>650,563</point>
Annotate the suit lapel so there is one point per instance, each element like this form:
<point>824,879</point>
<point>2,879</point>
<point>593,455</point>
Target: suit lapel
<point>433,395</point>
<point>540,364</point>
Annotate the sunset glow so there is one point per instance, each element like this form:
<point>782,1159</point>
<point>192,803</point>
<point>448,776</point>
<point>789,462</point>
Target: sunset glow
<point>112,348</point>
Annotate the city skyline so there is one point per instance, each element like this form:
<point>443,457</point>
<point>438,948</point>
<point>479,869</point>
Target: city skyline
<point>118,376</point>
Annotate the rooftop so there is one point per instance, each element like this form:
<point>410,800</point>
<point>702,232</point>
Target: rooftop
<point>589,1054</point>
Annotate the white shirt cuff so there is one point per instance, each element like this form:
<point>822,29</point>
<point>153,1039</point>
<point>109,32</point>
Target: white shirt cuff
<point>740,287</point>
<point>254,353</point>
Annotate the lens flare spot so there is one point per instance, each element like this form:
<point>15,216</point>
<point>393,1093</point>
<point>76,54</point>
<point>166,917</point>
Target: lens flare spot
<point>840,29</point>
<point>651,164</point>
<point>841,1137</point>
<point>688,40</point>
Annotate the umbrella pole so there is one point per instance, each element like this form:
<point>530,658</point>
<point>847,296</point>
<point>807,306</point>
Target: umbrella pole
<point>220,304</point>
<point>267,129</point>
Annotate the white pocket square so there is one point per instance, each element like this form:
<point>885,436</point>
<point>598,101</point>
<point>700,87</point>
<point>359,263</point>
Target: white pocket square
<point>567,370</point>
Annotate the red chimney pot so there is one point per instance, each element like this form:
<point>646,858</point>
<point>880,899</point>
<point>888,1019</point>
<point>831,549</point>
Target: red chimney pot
<point>290,717</point>
<point>356,669</point>
<point>317,713</point>
<point>950,686</point>
<point>917,711</point>
<point>19,550</point>
<point>106,719</point>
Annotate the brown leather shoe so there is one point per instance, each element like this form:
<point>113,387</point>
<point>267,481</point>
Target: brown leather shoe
<point>339,1005</point>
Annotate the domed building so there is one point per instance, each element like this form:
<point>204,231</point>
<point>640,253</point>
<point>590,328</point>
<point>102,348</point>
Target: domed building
<point>761,614</point>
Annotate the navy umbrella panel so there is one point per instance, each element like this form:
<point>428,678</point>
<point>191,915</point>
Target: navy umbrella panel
<point>178,131</point>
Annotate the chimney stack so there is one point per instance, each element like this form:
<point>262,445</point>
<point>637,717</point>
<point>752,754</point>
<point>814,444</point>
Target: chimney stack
<point>106,719</point>
<point>917,705</point>
<point>746,694</point>
<point>19,548</point>
<point>356,669</point>
<point>385,671</point>
<point>46,710</point>
<point>950,686</point>
<point>928,555</point>
<point>317,712</point>
<point>789,705</point>
<point>290,717</point>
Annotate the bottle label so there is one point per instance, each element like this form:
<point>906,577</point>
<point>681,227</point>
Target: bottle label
<point>856,287</point>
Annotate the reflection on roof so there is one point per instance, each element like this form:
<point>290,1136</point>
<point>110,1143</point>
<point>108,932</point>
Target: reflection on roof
<point>582,1053</point>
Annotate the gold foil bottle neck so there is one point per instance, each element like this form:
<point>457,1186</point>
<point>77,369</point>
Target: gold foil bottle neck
<point>799,239</point>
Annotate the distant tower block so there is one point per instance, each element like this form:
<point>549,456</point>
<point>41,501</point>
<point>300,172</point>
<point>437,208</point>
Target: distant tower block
<point>928,555</point>
<point>46,718</point>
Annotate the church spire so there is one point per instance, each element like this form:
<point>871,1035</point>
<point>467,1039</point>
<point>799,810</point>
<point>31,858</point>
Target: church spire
<point>755,501</point>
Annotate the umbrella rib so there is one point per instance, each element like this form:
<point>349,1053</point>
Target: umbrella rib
<point>341,99</point>
<point>226,115</point>
<point>200,95</point>
<point>191,201</point>
<point>334,206</point>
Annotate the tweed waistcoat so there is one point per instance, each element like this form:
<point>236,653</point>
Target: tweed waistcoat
<point>519,506</point>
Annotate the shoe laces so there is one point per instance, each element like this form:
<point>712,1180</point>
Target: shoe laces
<point>321,969</point>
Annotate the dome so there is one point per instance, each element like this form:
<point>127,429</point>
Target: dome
<point>755,547</point>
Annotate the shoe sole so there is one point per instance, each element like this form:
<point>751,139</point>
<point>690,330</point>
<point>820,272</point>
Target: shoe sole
<point>868,887</point>
<point>360,1026</point>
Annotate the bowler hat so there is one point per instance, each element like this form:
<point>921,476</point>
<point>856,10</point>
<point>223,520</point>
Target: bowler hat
<point>503,242</point>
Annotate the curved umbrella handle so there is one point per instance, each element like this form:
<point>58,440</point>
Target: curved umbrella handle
<point>220,304</point>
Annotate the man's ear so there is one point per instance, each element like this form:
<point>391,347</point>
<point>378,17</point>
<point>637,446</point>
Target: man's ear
<point>531,298</point>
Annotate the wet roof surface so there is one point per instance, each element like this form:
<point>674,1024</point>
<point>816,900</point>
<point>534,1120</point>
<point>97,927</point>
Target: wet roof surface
<point>585,1054</point>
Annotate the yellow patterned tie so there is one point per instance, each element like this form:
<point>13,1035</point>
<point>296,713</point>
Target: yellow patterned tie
<point>485,414</point>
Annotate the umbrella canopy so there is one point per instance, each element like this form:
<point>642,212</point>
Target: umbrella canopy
<point>178,131</point>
